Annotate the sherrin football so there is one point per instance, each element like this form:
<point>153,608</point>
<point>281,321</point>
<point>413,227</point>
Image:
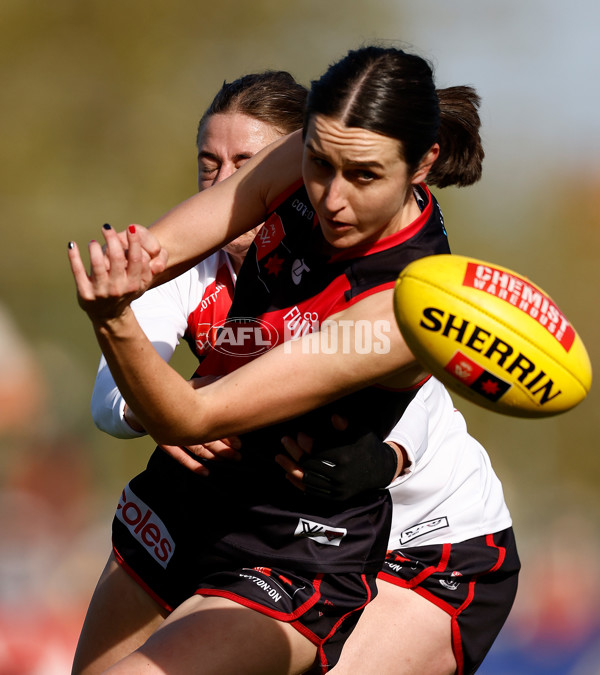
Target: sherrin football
<point>492,336</point>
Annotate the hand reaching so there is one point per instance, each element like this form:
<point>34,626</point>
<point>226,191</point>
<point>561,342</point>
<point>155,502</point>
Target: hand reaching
<point>119,273</point>
<point>190,456</point>
<point>351,461</point>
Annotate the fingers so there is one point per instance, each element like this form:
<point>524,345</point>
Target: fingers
<point>293,472</point>
<point>217,450</point>
<point>129,266</point>
<point>137,271</point>
<point>148,241</point>
<point>119,272</point>
<point>82,280</point>
<point>151,249</point>
<point>293,449</point>
<point>289,466</point>
<point>158,264</point>
<point>114,254</point>
<point>180,455</point>
<point>305,442</point>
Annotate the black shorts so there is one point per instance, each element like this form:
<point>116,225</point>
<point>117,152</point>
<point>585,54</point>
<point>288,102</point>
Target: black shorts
<point>474,581</point>
<point>168,534</point>
<point>324,608</point>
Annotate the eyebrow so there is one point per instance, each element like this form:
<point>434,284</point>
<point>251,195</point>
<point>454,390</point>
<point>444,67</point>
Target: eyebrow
<point>209,155</point>
<point>366,164</point>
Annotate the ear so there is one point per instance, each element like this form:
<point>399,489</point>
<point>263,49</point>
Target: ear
<point>425,164</point>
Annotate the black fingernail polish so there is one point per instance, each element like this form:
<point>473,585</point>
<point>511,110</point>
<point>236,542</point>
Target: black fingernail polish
<point>71,244</point>
<point>106,226</point>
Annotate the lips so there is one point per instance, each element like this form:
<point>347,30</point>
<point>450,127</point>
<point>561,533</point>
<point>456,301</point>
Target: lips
<point>337,226</point>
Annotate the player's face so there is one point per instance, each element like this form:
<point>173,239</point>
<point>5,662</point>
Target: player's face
<point>227,141</point>
<point>357,182</point>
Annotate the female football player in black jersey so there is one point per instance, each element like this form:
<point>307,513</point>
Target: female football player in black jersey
<point>282,577</point>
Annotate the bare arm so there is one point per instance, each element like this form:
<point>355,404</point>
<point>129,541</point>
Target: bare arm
<point>212,218</point>
<point>300,378</point>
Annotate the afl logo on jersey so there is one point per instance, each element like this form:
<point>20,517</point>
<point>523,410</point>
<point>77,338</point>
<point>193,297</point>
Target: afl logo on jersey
<point>243,336</point>
<point>298,269</point>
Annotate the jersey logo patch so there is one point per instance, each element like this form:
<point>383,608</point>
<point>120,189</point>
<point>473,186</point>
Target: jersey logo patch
<point>298,269</point>
<point>269,236</point>
<point>323,534</point>
<point>273,264</point>
<point>423,528</point>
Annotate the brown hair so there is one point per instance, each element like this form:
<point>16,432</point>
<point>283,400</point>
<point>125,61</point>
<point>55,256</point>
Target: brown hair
<point>273,97</point>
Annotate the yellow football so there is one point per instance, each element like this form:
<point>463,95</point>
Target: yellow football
<point>492,336</point>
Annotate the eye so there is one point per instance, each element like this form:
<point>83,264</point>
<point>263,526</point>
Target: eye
<point>362,176</point>
<point>366,176</point>
<point>207,170</point>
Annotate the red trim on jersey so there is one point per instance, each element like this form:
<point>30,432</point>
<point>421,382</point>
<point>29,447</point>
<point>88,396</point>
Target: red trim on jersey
<point>278,201</point>
<point>391,240</point>
<point>138,580</point>
<point>371,291</point>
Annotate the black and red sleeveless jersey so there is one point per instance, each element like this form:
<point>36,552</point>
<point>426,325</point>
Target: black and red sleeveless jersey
<point>288,286</point>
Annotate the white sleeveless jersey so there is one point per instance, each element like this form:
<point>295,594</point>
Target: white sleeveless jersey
<point>184,307</point>
<point>450,492</point>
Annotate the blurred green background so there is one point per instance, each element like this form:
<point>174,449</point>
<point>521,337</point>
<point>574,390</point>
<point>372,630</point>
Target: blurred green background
<point>98,108</point>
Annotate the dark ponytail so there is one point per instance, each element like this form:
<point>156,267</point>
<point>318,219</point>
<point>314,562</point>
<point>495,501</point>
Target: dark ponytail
<point>461,152</point>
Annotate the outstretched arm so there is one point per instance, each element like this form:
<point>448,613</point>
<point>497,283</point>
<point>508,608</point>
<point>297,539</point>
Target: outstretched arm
<point>162,316</point>
<point>300,377</point>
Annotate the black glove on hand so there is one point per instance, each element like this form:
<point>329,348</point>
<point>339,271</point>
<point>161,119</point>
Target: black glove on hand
<point>356,463</point>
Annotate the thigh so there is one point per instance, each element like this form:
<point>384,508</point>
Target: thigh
<point>473,581</point>
<point>399,633</point>
<point>214,636</point>
<point>121,616</point>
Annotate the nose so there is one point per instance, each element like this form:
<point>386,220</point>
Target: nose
<point>334,196</point>
<point>225,170</point>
